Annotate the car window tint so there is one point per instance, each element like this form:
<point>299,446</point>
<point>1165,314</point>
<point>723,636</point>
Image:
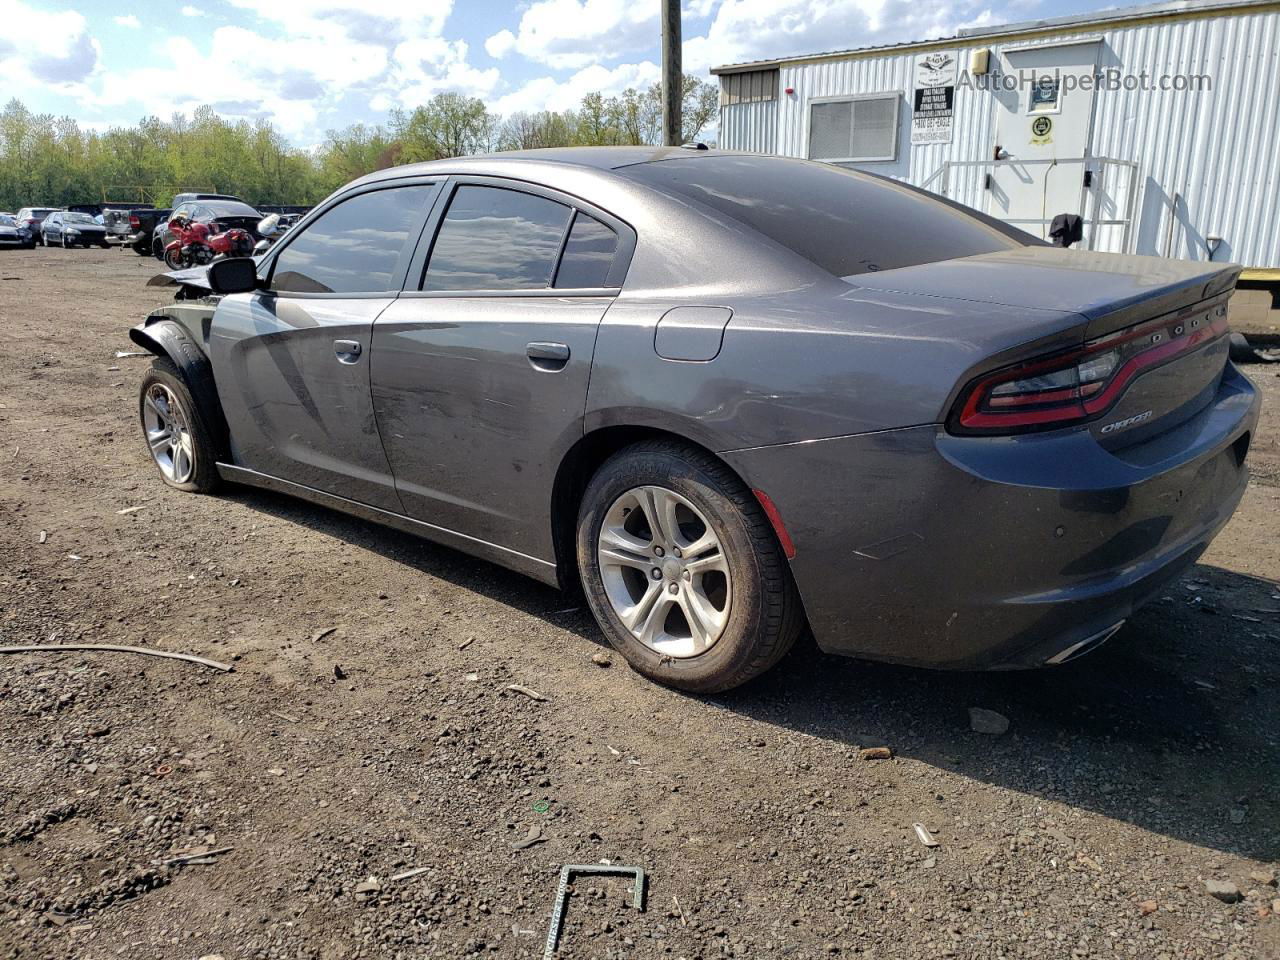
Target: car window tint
<point>496,239</point>
<point>354,247</point>
<point>588,254</point>
<point>844,221</point>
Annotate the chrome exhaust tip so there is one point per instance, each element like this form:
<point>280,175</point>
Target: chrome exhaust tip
<point>1081,647</point>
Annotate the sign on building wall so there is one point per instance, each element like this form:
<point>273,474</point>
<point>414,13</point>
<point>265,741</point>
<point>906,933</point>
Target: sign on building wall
<point>935,93</point>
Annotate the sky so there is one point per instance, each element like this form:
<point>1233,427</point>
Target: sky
<point>314,65</point>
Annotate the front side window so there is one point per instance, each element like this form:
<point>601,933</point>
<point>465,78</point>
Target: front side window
<point>354,247</point>
<point>588,254</point>
<point>496,239</point>
<point>862,129</point>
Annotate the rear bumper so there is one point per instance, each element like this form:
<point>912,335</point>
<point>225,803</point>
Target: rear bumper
<point>998,552</point>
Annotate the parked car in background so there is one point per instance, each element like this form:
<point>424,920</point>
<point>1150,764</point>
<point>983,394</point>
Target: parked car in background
<point>32,217</point>
<point>725,393</point>
<point>227,213</point>
<point>13,234</point>
<point>69,228</point>
<point>180,198</point>
<point>142,227</point>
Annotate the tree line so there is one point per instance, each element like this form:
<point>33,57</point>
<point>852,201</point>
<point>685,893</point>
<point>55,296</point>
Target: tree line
<point>48,160</point>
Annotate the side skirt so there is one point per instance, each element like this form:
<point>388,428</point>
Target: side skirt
<point>541,570</point>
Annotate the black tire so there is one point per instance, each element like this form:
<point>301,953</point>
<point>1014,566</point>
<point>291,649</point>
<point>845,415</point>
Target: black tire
<point>173,259</point>
<point>765,613</point>
<point>204,474</point>
<point>140,250</point>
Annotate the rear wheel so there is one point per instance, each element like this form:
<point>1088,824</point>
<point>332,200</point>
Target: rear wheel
<point>180,443</point>
<point>682,569</point>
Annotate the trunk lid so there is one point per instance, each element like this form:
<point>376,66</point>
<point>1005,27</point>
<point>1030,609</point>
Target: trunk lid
<point>1156,302</point>
<point>1111,290</point>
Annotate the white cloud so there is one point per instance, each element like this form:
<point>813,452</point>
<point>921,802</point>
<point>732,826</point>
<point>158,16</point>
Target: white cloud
<point>698,8</point>
<point>547,93</point>
<point>429,65</point>
<point>295,72</point>
<point>53,48</point>
<point>190,11</point>
<point>130,21</point>
<point>500,44</point>
<point>356,18</point>
<point>745,30</point>
<point>569,34</point>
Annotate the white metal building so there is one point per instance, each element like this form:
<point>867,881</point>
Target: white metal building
<point>1160,125</point>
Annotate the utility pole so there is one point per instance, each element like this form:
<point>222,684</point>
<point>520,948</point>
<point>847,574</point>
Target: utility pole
<point>672,74</point>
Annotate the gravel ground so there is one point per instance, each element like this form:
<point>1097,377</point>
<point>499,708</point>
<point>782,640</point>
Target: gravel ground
<point>368,730</point>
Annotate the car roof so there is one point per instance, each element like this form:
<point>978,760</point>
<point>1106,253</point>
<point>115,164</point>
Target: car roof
<point>598,158</point>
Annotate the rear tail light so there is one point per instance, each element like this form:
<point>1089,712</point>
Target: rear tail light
<point>134,222</point>
<point>1080,384</point>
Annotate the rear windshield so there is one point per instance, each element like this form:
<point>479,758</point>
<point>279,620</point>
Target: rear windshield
<point>77,217</point>
<point>845,221</point>
<point>229,208</point>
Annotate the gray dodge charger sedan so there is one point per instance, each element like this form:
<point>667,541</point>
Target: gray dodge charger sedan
<point>731,396</point>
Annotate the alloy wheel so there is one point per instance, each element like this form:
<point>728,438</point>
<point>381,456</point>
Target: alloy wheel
<point>168,435</point>
<point>664,571</point>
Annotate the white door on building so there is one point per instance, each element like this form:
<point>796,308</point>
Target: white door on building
<point>1044,116</point>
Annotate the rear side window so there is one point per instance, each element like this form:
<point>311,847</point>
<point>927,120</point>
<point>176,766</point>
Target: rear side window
<point>354,247</point>
<point>844,221</point>
<point>496,239</point>
<point>588,254</point>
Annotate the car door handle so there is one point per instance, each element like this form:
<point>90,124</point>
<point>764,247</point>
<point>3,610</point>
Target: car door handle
<point>347,351</point>
<point>548,357</point>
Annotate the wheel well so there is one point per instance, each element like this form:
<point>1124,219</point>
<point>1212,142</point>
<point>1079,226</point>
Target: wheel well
<point>167,338</point>
<point>576,470</point>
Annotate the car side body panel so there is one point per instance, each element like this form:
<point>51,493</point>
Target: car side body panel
<point>474,426</point>
<point>827,360</point>
<point>296,409</point>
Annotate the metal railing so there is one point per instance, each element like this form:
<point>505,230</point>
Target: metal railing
<point>1100,203</point>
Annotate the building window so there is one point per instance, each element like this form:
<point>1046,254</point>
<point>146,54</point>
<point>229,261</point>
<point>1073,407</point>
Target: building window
<point>854,128</point>
<point>1044,95</point>
<point>752,86</point>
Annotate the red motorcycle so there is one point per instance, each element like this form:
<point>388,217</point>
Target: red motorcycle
<point>196,243</point>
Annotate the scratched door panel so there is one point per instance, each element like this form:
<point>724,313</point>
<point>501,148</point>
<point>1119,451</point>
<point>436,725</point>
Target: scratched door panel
<point>473,427</point>
<point>295,409</point>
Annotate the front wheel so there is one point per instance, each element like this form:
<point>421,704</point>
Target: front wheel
<point>682,569</point>
<point>173,259</point>
<point>177,437</point>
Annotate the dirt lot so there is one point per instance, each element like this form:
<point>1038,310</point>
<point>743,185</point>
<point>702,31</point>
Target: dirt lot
<point>1126,781</point>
